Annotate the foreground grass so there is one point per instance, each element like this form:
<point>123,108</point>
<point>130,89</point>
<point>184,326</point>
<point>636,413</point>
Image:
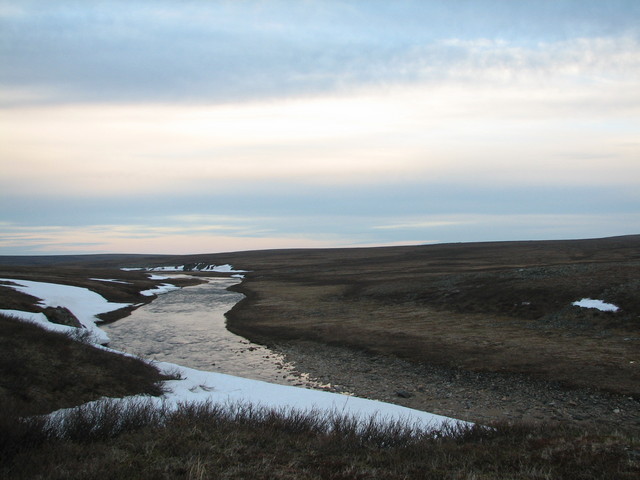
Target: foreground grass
<point>208,441</point>
<point>42,371</point>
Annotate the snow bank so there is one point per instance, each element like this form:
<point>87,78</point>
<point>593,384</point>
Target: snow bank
<point>39,319</point>
<point>200,386</point>
<point>159,290</point>
<point>179,268</point>
<point>110,280</point>
<point>598,304</point>
<point>82,302</point>
<point>200,267</point>
<point>226,268</point>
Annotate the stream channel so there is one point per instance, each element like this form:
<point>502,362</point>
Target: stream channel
<point>188,327</point>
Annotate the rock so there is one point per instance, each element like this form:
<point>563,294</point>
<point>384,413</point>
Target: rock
<point>403,394</point>
<point>62,316</point>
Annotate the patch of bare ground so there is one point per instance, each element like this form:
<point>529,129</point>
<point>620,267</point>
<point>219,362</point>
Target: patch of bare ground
<point>482,397</point>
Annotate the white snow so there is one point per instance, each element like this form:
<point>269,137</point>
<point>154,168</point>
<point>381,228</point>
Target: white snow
<point>201,386</point>
<point>156,277</point>
<point>598,304</point>
<point>178,268</point>
<point>226,268</point>
<point>39,319</point>
<point>110,280</point>
<point>82,302</point>
<point>198,386</point>
<point>159,290</point>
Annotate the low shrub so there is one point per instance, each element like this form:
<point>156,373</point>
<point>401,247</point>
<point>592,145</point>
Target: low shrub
<point>236,441</point>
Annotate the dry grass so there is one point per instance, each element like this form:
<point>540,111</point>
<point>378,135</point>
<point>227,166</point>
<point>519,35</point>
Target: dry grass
<point>43,371</point>
<point>482,307</point>
<point>207,441</point>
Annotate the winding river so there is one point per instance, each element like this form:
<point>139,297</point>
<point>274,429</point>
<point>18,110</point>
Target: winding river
<point>187,327</point>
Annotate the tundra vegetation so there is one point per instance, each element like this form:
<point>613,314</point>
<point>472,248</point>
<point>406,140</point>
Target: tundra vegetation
<point>491,309</point>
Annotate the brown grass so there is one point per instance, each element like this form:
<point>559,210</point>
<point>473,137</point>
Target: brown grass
<point>43,371</point>
<point>206,441</point>
<point>480,307</point>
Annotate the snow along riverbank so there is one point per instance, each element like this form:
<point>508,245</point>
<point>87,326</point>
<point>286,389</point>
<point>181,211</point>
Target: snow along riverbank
<point>202,386</point>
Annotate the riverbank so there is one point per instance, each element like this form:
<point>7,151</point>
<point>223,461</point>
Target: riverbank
<point>480,331</point>
<point>472,396</point>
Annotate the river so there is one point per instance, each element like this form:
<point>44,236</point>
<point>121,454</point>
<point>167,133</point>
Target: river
<point>188,327</point>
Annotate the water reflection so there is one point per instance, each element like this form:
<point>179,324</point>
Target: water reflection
<point>187,327</point>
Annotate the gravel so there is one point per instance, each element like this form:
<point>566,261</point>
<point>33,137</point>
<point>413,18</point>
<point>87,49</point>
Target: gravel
<point>474,396</point>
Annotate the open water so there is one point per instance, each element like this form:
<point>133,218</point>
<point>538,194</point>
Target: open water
<point>187,327</point>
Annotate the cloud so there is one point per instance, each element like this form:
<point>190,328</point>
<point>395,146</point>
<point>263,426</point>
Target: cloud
<point>234,51</point>
<point>24,240</point>
<point>422,224</point>
<point>352,123</point>
<point>523,133</point>
<point>180,239</point>
<point>494,227</point>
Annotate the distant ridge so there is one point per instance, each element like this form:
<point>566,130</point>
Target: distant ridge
<point>110,260</point>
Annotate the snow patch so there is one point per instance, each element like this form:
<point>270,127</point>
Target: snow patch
<point>226,268</point>
<point>159,290</point>
<point>179,268</point>
<point>198,267</point>
<point>598,304</point>
<point>82,302</point>
<point>110,280</point>
<point>39,319</point>
<point>200,386</point>
<point>156,277</point>
<point>196,386</point>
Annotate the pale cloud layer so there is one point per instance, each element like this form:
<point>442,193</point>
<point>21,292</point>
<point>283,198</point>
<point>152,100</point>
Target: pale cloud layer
<point>514,134</point>
<point>231,125</point>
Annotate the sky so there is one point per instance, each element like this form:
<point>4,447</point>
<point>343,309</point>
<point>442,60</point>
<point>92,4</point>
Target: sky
<point>211,126</point>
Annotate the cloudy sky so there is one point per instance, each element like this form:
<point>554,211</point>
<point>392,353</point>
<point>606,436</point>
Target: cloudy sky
<point>207,126</point>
